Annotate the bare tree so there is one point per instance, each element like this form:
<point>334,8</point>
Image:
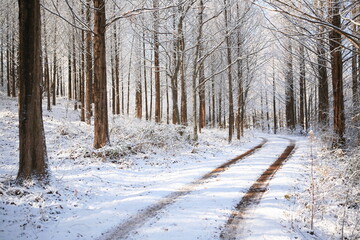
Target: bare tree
<point>337,72</point>
<point>229,60</point>
<point>101,128</point>
<point>89,66</point>
<point>289,90</point>
<point>156,62</point>
<point>32,146</point>
<point>302,81</point>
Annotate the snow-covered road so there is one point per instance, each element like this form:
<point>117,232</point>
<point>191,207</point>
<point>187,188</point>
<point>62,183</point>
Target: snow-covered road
<point>203,212</point>
<point>92,193</point>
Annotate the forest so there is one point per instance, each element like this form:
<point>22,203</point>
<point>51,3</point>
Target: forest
<point>121,109</point>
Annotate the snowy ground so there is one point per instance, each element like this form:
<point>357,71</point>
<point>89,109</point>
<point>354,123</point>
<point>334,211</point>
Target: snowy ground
<point>92,192</point>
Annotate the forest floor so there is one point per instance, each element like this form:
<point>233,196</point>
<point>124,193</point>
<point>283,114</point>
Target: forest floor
<point>94,192</point>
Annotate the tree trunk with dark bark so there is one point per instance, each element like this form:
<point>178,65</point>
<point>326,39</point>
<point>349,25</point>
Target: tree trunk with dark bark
<point>274,99</point>
<point>182,81</point>
<point>337,74</point>
<point>289,91</point>
<point>13,68</point>
<point>33,157</point>
<point>157,63</point>
<point>145,78</point>
<point>46,73</point>
<point>82,78</point>
<point>138,90</point>
<point>89,69</point>
<point>69,75</point>
<point>323,89</point>
<point>302,101</point>
<point>202,103</point>
<point>101,128</point>
<point>230,94</point>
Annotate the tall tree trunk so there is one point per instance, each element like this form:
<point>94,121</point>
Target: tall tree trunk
<point>306,110</point>
<point>355,64</point>
<point>117,77</point>
<point>151,89</point>
<point>274,98</point>
<point>195,69</point>
<point>54,80</point>
<point>46,68</point>
<point>82,71</point>
<point>13,67</point>
<point>112,64</point>
<point>138,92</point>
<point>156,62</point>
<point>289,91</point>
<point>213,100</point>
<point>337,73</point>
<point>182,81</point>
<point>122,95</point>
<point>302,102</point>
<point>74,72</point>
<point>202,103</point>
<point>240,83</point>
<point>61,83</point>
<point>32,146</point>
<point>145,79</point>
<point>167,101</point>
<point>262,119</point>
<point>228,48</point>
<point>122,87</point>
<point>202,90</point>
<point>2,61</point>
<point>267,111</point>
<point>209,106</point>
<point>69,75</point>
<point>101,129</point>
<point>323,91</point>
<point>177,64</point>
<point>89,66</point>
<point>220,104</point>
<point>8,58</point>
<point>129,78</point>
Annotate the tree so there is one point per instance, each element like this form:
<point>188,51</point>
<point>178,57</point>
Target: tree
<point>336,73</point>
<point>101,128</point>
<point>32,146</point>
<point>156,62</point>
<point>229,60</point>
<point>183,107</point>
<point>289,90</point>
<point>89,69</point>
<point>323,89</point>
<point>46,67</point>
<point>138,86</point>
<point>195,68</point>
<point>274,98</point>
<point>302,81</point>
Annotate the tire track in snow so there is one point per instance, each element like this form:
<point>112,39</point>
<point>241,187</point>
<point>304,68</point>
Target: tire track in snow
<point>123,230</point>
<point>254,195</point>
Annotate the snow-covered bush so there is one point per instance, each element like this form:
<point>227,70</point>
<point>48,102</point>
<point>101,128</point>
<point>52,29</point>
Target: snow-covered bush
<point>336,192</point>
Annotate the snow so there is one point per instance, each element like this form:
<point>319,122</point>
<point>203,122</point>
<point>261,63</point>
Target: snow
<point>92,191</point>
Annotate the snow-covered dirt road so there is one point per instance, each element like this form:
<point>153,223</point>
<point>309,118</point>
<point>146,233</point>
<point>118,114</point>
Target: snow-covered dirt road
<point>93,192</point>
<point>202,211</point>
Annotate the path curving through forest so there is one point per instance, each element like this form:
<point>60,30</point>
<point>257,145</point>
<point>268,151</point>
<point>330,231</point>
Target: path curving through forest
<point>253,196</point>
<point>123,230</point>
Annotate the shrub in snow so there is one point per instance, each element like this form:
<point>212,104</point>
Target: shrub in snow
<point>336,193</point>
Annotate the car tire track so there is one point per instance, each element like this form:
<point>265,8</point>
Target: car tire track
<point>253,196</point>
<point>123,230</point>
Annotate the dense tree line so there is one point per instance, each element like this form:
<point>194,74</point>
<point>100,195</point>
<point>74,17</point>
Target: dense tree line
<point>206,63</point>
